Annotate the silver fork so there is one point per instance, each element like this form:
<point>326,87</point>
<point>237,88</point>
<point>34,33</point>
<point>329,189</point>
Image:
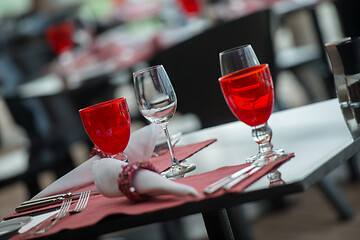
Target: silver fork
<point>82,202</point>
<point>62,213</point>
<point>42,225</point>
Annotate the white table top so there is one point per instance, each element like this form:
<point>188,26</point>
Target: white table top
<point>316,133</point>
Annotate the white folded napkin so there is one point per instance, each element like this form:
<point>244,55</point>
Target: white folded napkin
<point>78,177</point>
<point>104,172</point>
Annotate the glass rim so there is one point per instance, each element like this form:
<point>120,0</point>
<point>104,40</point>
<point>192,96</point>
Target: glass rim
<point>92,107</point>
<point>147,69</point>
<point>258,68</point>
<point>234,48</point>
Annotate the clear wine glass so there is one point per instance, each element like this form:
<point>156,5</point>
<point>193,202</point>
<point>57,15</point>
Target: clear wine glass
<point>249,94</point>
<point>108,126</point>
<point>237,58</point>
<point>157,103</point>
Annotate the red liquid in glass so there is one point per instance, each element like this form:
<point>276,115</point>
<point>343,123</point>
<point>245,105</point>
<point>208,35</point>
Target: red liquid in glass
<point>60,37</point>
<point>108,125</point>
<point>190,7</point>
<point>249,94</point>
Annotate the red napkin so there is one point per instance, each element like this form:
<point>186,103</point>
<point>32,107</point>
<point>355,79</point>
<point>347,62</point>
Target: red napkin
<point>118,206</point>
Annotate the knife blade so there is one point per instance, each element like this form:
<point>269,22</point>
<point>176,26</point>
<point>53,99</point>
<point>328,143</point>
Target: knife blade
<point>222,182</point>
<point>64,195</point>
<point>240,178</point>
<point>38,204</point>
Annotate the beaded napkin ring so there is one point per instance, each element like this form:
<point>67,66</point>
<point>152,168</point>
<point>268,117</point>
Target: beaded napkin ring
<point>125,180</point>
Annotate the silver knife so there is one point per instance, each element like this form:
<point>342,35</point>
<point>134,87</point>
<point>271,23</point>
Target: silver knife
<point>45,201</point>
<point>240,178</point>
<point>38,204</point>
<point>222,182</point>
<point>64,195</point>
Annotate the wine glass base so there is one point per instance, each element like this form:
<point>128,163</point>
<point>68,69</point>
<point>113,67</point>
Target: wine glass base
<point>178,171</point>
<point>121,156</point>
<point>272,156</point>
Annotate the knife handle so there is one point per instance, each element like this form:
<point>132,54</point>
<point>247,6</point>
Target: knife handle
<point>38,204</point>
<point>240,178</point>
<point>64,195</point>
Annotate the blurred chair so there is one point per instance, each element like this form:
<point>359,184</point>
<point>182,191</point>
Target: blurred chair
<point>306,57</point>
<point>193,65</point>
<point>51,127</point>
<point>348,11</point>
<point>50,123</point>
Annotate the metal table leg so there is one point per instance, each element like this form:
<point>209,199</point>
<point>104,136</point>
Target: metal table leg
<point>217,225</point>
<point>336,198</point>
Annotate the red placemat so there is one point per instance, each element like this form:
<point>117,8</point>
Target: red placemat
<point>119,206</point>
<point>163,162</point>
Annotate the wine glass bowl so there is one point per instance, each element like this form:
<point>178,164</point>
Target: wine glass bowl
<point>60,37</point>
<point>157,102</point>
<point>190,8</point>
<point>155,95</point>
<point>249,94</point>
<point>108,126</point>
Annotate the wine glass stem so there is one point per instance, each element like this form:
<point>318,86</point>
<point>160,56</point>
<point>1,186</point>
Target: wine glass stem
<point>174,160</point>
<point>262,135</point>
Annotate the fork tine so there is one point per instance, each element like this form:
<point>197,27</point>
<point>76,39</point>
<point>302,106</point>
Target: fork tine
<point>67,207</point>
<point>86,199</point>
<point>61,209</point>
<point>41,226</point>
<point>79,202</point>
<point>83,200</point>
<point>64,209</point>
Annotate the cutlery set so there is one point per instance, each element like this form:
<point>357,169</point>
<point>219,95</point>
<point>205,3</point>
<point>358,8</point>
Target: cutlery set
<point>48,223</point>
<point>230,181</point>
<point>46,201</point>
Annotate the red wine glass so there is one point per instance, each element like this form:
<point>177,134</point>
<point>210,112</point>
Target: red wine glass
<point>60,37</point>
<point>190,8</point>
<point>108,126</point>
<point>249,94</point>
